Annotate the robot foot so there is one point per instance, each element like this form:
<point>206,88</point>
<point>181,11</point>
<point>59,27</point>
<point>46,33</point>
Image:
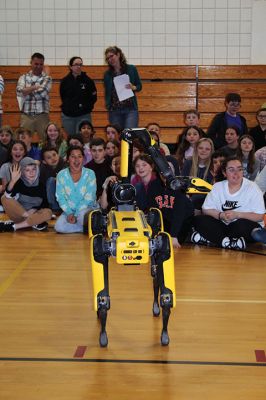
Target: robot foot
<point>165,338</point>
<point>155,309</point>
<point>103,339</point>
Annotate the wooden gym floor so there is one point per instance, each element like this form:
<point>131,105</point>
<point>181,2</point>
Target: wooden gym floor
<point>49,331</point>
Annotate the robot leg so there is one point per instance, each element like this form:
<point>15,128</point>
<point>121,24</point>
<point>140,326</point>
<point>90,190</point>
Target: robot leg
<point>156,288</point>
<point>99,261</point>
<point>96,223</point>
<point>166,279</point>
<point>155,220</point>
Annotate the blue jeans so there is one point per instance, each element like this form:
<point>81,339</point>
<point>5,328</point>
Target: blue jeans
<point>71,124</point>
<point>62,226</point>
<point>50,190</point>
<point>125,118</point>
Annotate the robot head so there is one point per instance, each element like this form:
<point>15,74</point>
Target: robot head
<point>123,193</point>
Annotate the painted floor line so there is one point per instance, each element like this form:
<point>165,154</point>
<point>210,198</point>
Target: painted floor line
<point>22,265</point>
<point>180,300</point>
<point>130,361</point>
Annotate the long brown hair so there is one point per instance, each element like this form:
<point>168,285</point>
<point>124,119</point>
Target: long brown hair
<point>195,158</point>
<point>251,154</point>
<point>58,141</point>
<point>116,50</point>
<point>184,145</point>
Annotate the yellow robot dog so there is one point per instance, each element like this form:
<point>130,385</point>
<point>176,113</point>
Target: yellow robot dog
<point>134,238</point>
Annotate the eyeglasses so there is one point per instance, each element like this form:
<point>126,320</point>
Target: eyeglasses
<point>234,103</point>
<point>77,65</point>
<point>261,116</point>
<point>232,169</point>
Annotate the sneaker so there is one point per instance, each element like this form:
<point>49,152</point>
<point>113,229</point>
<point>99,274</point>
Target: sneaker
<point>259,235</point>
<point>7,226</point>
<point>40,227</point>
<point>234,243</point>
<point>198,239</point>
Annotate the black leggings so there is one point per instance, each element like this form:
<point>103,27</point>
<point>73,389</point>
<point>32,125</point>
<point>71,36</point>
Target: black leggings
<point>215,230</point>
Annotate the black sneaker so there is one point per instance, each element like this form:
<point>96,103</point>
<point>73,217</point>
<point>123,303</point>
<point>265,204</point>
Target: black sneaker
<point>198,239</point>
<point>234,243</point>
<point>7,226</point>
<point>40,227</point>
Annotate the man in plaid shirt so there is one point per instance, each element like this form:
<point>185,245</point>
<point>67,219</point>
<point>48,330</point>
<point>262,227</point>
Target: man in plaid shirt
<point>33,96</point>
<point>2,86</point>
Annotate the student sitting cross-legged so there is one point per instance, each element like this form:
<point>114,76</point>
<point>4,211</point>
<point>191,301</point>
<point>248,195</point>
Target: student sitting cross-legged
<point>24,200</point>
<point>75,192</point>
<point>232,212</point>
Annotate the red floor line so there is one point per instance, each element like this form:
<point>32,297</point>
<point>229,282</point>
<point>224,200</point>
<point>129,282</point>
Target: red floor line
<point>79,353</point>
<point>260,355</point>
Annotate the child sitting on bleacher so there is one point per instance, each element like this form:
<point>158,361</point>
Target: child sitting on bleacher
<point>232,135</point>
<point>99,163</point>
<point>191,136</point>
<point>51,164</point>
<point>87,132</point>
<point>25,135</point>
<point>6,137</point>
<point>155,127</point>
<point>53,137</point>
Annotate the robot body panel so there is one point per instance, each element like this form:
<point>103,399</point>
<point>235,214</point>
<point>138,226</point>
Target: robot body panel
<point>132,235</point>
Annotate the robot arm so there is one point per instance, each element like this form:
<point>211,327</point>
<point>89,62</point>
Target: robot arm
<point>190,184</point>
<point>143,135</point>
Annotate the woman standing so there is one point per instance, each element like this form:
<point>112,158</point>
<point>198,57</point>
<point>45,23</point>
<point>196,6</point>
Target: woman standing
<point>75,192</point>
<point>125,112</point>
<point>233,210</point>
<point>78,94</point>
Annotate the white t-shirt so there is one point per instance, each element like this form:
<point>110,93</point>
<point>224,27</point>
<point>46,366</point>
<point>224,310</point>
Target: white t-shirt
<point>248,198</point>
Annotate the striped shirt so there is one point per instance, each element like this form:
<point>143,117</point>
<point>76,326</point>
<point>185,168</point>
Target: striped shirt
<point>36,102</point>
<point>2,86</point>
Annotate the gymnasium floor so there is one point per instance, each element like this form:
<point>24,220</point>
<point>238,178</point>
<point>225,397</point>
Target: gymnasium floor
<point>49,331</point>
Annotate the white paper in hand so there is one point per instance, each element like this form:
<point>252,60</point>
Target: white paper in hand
<point>120,83</point>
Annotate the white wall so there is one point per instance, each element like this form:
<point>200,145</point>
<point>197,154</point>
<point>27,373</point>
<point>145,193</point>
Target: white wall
<point>148,31</point>
<point>258,48</point>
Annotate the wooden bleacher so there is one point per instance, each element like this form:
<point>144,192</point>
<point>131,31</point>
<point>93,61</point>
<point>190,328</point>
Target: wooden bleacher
<point>167,92</point>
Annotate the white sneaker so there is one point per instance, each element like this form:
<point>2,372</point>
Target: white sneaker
<point>198,239</point>
<point>40,227</point>
<point>234,243</point>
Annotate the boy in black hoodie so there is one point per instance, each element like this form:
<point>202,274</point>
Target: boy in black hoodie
<point>51,165</point>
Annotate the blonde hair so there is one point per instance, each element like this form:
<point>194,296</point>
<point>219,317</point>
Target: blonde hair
<point>195,158</point>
